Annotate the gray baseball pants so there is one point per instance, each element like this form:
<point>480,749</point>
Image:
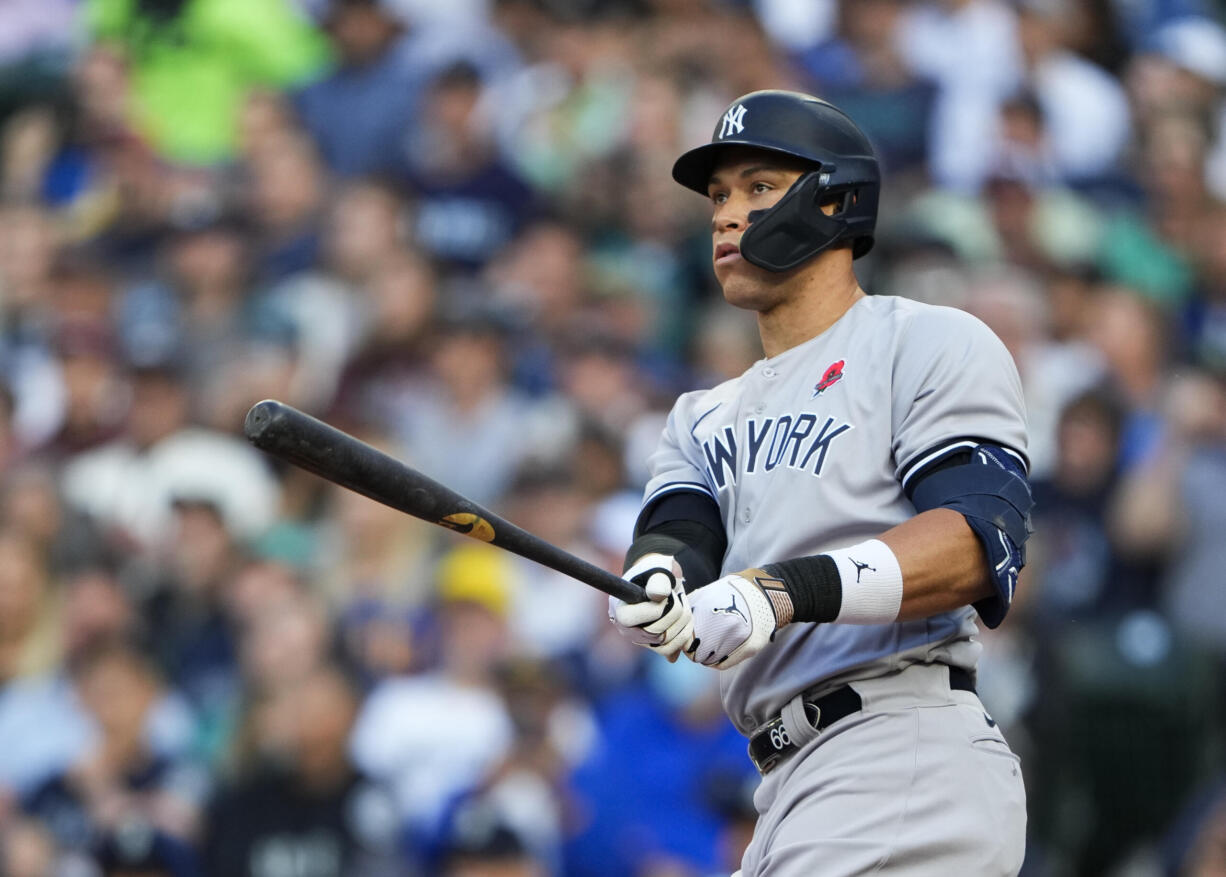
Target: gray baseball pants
<point>919,783</point>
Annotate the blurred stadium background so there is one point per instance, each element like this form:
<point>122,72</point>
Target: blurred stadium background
<point>450,228</point>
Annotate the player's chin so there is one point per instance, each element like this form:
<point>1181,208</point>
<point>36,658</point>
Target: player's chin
<point>743,291</point>
<point>737,273</point>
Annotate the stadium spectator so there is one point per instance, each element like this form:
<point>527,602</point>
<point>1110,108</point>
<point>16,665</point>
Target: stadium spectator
<point>464,424</point>
<point>1077,569</point>
<point>128,486</point>
<point>548,618</point>
<point>300,798</point>
<point>619,831</point>
<point>1132,338</point>
<point>195,313</point>
<point>1169,507</point>
<point>389,358</point>
<point>375,573</point>
<point>468,202</point>
<point>385,53</point>
<point>1075,96</point>
<point>359,111</point>
<point>329,308</point>
<point>482,847</point>
<point>286,188</point>
<point>861,69</point>
<point>970,82</point>
<point>433,735</point>
<point>120,782</point>
<point>540,280</point>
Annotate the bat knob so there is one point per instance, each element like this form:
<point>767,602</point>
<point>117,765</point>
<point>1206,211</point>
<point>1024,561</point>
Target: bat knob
<point>259,419</point>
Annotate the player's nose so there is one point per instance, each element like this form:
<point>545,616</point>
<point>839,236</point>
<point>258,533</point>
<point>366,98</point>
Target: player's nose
<point>729,217</point>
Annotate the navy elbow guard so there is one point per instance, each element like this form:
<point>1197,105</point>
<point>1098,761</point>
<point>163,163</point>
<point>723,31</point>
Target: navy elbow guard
<point>991,492</point>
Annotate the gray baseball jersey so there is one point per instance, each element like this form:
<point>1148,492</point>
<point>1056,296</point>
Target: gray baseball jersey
<point>811,450</point>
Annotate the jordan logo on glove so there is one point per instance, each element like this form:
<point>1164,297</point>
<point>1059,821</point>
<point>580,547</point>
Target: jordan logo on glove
<point>731,610</point>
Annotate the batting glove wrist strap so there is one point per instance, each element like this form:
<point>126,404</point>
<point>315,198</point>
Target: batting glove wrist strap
<point>812,584</point>
<point>857,585</point>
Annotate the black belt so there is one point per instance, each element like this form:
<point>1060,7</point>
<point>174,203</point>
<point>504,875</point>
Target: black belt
<point>771,744</point>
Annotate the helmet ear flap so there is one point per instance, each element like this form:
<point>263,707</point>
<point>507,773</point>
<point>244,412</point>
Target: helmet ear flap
<point>794,230</point>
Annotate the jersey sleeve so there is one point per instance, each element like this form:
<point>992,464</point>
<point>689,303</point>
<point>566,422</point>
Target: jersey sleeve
<point>955,386</point>
<point>677,465</point>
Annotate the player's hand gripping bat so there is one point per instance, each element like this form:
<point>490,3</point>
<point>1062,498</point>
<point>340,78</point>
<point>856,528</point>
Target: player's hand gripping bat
<point>311,444</point>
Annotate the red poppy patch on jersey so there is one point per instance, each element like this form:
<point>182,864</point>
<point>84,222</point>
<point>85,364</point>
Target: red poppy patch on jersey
<point>829,379</point>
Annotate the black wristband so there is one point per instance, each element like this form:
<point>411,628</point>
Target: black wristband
<point>814,585</point>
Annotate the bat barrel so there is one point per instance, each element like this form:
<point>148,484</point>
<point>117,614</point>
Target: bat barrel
<point>313,445</point>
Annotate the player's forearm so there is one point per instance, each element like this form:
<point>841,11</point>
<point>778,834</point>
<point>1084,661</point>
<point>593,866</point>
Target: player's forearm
<point>942,562</point>
<point>929,564</point>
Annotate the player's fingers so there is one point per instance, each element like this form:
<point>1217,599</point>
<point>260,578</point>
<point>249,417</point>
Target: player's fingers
<point>673,619</point>
<point>673,648</point>
<point>676,642</point>
<point>649,567</point>
<point>671,653</point>
<point>669,626</point>
<point>636,634</point>
<point>659,585</point>
<point>675,610</point>
<point>659,588</point>
<point>639,614</point>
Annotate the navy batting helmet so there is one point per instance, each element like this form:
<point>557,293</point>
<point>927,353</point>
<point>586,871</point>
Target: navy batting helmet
<point>809,128</point>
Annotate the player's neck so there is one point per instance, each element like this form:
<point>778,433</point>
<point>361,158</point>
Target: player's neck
<point>823,300</point>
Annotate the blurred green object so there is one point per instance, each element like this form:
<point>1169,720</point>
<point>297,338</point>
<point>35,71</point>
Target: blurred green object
<point>193,64</point>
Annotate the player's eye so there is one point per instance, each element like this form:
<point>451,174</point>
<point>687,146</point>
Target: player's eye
<point>761,188</point>
<point>719,197</point>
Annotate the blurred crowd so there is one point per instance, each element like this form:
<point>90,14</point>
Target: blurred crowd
<point>450,229</point>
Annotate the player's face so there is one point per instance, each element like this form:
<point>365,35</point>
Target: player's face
<point>743,181</point>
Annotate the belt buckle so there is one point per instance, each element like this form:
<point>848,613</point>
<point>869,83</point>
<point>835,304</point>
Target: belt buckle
<point>772,737</point>
<point>767,763</point>
<point>775,734</point>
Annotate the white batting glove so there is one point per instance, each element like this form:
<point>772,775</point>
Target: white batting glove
<point>663,622</point>
<point>733,620</point>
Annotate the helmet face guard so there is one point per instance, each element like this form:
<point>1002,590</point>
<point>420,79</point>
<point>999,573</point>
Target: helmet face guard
<point>800,126</point>
<point>795,229</point>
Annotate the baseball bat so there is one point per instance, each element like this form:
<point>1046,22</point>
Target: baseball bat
<point>311,444</point>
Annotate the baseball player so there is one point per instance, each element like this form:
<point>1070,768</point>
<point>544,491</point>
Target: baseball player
<point>824,529</point>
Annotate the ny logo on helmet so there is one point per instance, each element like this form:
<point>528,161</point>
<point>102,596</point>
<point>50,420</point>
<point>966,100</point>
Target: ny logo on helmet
<point>734,121</point>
